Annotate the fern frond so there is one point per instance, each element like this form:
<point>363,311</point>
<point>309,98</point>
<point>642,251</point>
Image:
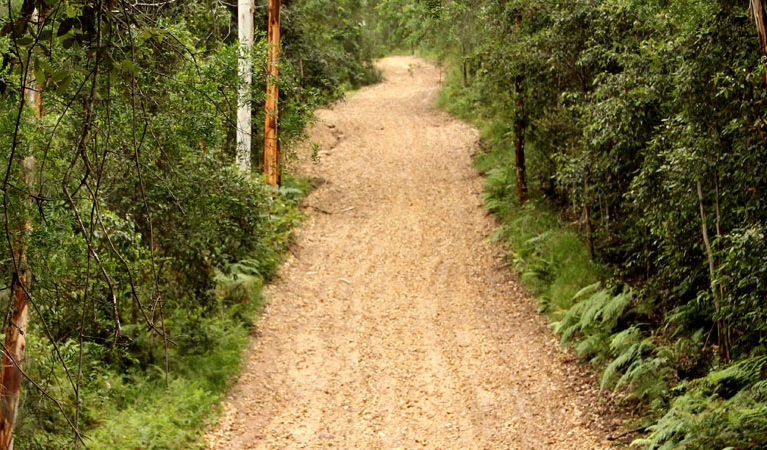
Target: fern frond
<point>543,237</point>
<point>587,291</point>
<point>614,308</point>
<point>627,345</point>
<point>593,309</point>
<point>593,347</point>
<point>498,234</point>
<point>744,372</point>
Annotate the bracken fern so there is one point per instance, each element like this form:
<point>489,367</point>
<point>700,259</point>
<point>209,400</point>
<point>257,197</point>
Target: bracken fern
<point>725,409</point>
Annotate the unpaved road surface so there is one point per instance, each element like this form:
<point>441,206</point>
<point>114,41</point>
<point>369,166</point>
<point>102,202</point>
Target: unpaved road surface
<point>395,324</point>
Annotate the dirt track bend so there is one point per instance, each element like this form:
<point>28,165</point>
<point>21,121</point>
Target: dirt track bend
<point>396,324</point>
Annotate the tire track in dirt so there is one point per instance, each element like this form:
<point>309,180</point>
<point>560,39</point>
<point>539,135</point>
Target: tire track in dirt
<point>396,324</point>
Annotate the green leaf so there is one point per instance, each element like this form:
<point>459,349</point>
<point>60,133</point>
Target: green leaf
<point>7,29</point>
<point>45,65</point>
<point>65,26</point>
<point>60,75</point>
<point>19,28</point>
<point>39,73</point>
<point>129,66</point>
<point>64,84</point>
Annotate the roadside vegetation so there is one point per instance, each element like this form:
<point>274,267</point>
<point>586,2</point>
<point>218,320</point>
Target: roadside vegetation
<point>625,155</point>
<point>145,249</point>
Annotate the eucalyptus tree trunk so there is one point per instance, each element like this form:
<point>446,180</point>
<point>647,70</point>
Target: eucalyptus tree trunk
<point>271,144</point>
<point>14,344</point>
<point>760,19</point>
<point>245,63</point>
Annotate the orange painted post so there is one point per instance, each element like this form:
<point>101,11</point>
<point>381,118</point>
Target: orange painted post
<point>271,144</point>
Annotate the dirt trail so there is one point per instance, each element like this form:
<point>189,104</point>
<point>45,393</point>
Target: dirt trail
<point>396,324</point>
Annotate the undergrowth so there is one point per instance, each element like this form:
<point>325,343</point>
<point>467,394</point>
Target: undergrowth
<point>129,398</point>
<point>145,407</point>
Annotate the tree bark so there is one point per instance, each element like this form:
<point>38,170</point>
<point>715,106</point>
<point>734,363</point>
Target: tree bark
<point>464,70</point>
<point>587,217</point>
<point>244,63</point>
<point>519,129</point>
<point>519,142</point>
<point>724,344</point>
<point>760,20</point>
<point>271,144</point>
<point>14,345</point>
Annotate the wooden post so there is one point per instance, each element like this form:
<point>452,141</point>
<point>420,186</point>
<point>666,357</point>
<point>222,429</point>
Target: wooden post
<point>244,66</point>
<point>271,144</point>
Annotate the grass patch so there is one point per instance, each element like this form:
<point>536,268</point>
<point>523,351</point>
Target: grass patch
<point>141,412</point>
<point>550,256</point>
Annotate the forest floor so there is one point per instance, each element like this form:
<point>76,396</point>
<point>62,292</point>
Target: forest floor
<point>395,323</point>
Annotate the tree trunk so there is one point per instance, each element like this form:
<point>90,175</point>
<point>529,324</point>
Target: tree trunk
<point>519,141</point>
<point>519,129</point>
<point>14,345</point>
<point>244,63</point>
<point>724,343</point>
<point>464,71</point>
<point>587,217</point>
<point>760,20</point>
<point>15,342</point>
<point>271,144</point>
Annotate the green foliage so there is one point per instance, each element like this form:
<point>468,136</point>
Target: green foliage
<point>742,275</point>
<point>402,25</point>
<point>725,409</point>
<point>551,257</point>
<point>329,45</point>
<point>138,407</point>
<point>142,412</point>
<point>162,422</point>
<point>147,247</point>
<point>595,311</point>
<point>640,365</point>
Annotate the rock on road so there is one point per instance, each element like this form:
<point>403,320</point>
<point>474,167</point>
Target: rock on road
<point>395,323</point>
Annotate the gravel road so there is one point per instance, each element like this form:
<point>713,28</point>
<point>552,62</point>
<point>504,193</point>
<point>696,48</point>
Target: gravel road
<point>395,323</point>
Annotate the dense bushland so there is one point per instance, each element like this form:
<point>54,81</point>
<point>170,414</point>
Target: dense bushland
<point>642,125</point>
<point>146,247</point>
